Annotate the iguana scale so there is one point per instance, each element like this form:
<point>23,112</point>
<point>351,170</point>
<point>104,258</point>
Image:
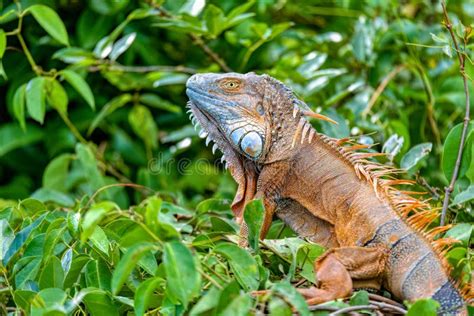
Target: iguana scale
<point>326,190</point>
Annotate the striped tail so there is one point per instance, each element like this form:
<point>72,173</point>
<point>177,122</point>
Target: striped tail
<point>414,270</point>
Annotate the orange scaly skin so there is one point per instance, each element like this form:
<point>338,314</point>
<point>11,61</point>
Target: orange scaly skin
<point>325,191</point>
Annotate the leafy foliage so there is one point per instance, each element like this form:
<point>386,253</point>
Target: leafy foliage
<point>109,204</point>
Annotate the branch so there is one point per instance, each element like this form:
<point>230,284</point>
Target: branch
<point>381,88</point>
<point>197,40</point>
<point>143,69</point>
<point>450,188</point>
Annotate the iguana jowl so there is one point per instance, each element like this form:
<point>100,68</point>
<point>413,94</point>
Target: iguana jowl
<point>326,190</point>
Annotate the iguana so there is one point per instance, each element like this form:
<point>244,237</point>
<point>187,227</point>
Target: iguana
<point>327,190</point>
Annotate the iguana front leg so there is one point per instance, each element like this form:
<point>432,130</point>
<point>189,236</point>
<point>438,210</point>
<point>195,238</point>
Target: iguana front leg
<point>339,267</point>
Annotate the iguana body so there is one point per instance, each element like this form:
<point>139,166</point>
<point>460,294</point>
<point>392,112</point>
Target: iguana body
<point>325,191</point>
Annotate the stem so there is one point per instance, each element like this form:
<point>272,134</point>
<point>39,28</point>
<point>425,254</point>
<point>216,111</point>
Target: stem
<point>199,42</point>
<point>72,128</point>
<point>450,188</point>
<point>381,88</point>
<point>144,69</point>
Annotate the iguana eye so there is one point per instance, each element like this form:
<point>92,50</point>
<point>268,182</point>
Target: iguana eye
<point>260,109</point>
<point>230,84</point>
<point>252,144</point>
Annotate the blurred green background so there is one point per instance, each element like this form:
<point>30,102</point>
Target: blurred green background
<point>92,93</point>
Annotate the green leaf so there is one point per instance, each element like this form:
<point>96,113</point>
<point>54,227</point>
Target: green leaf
<point>99,240</point>
<point>450,151</point>
<point>99,303</point>
<point>35,98</point>
<point>143,124</point>
<point>182,277</point>
<point>52,274</point>
<point>56,173</point>
<point>93,216</point>
<point>23,298</point>
<point>461,232</point>
<point>425,307</point>
<point>74,55</point>
<point>206,302</point>
<point>215,20</point>
<point>50,22</point>
<point>122,45</point>
<point>359,298</point>
<point>242,263</point>
<point>88,161</point>
<point>57,96</point>
<point>159,103</point>
<point>128,263</point>
<point>144,294</point>
<point>239,306</point>
<point>20,239</point>
<point>107,109</point>
<point>415,155</point>
<point>77,265</point>
<point>97,274</point>
<point>49,302</point>
<point>13,137</point>
<point>19,105</point>
<point>26,269</point>
<point>254,215</point>
<point>288,291</point>
<point>464,196</point>
<point>80,85</point>
<point>3,43</point>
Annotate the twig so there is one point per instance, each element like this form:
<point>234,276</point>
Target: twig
<point>382,87</point>
<point>353,309</point>
<point>197,40</point>
<point>391,307</point>
<point>144,69</point>
<point>450,188</point>
<point>422,181</point>
<point>379,298</point>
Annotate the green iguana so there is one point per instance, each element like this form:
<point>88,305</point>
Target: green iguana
<point>326,190</point>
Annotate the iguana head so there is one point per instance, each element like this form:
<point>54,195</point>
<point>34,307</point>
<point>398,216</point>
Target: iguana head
<point>251,118</point>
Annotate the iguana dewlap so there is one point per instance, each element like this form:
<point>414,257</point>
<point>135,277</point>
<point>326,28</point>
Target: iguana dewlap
<point>325,190</point>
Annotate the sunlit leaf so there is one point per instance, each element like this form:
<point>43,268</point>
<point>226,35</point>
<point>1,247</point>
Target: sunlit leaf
<point>36,97</point>
<point>80,85</point>
<point>50,22</point>
<point>183,279</point>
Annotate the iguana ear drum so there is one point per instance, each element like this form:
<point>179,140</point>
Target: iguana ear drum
<point>252,144</point>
